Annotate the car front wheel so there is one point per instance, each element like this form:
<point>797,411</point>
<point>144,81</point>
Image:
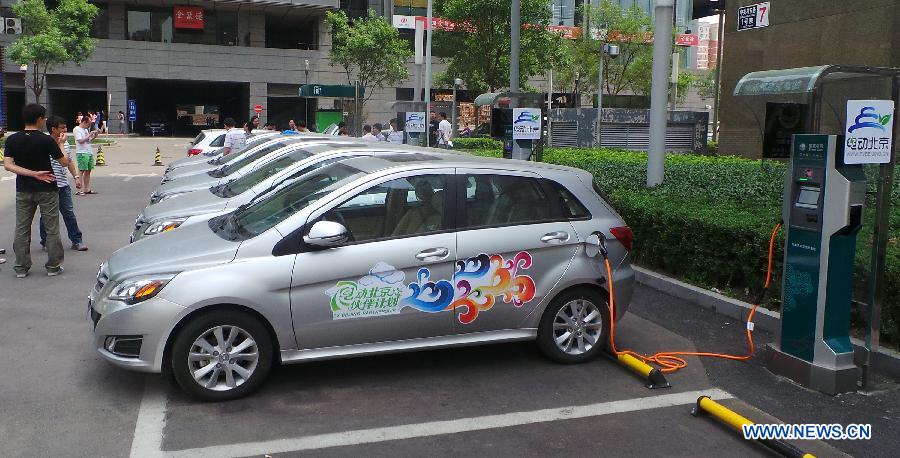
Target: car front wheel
<point>222,355</point>
<point>574,327</point>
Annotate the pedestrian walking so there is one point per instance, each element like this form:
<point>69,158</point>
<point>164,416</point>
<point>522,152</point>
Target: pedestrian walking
<point>28,155</point>
<point>84,152</point>
<point>121,118</point>
<point>445,132</point>
<point>100,126</point>
<point>57,127</point>
<point>235,139</point>
<point>394,135</point>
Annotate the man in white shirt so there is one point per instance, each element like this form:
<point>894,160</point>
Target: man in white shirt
<point>57,127</point>
<point>84,153</point>
<point>235,139</point>
<point>445,132</point>
<point>376,131</point>
<point>395,136</point>
<point>367,134</point>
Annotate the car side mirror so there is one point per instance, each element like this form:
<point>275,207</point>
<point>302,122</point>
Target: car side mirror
<point>327,234</point>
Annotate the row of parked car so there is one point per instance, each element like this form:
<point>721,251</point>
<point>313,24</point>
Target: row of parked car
<point>305,247</point>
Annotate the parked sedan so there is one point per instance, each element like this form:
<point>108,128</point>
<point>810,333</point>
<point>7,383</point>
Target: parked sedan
<point>244,165</point>
<point>171,212</point>
<point>363,256</point>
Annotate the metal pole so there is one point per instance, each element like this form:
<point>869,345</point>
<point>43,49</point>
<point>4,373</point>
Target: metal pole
<point>662,51</point>
<point>600,95</point>
<point>453,123</point>
<point>429,32</point>
<point>549,109</point>
<point>719,44</point>
<point>875,286</point>
<point>515,31</point>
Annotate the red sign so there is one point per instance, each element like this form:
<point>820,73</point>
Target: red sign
<point>687,39</point>
<point>189,17</point>
<point>258,109</point>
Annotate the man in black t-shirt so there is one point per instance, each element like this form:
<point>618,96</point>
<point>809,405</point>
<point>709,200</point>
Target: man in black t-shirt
<point>28,155</point>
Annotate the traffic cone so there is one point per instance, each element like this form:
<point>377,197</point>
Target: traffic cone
<point>101,161</point>
<point>1,156</point>
<point>158,159</point>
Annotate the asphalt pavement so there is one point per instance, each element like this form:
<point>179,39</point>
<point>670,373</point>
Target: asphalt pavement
<point>59,398</point>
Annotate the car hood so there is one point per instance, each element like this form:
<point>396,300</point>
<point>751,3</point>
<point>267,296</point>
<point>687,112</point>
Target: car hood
<point>192,203</point>
<point>191,247</point>
<point>189,161</point>
<point>188,183</point>
<point>190,169</point>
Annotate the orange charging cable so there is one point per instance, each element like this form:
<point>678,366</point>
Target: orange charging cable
<point>671,361</point>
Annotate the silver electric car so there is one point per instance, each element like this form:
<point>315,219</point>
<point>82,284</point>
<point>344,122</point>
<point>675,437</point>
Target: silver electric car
<point>208,145</point>
<point>173,210</point>
<point>368,255</point>
<point>240,166</point>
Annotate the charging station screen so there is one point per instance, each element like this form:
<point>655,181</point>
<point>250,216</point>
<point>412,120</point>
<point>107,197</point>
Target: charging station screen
<point>809,197</point>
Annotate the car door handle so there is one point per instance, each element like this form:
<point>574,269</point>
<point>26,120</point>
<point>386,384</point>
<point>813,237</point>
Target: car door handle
<point>433,254</point>
<point>558,236</point>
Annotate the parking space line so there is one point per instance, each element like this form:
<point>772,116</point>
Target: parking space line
<point>437,428</point>
<point>151,419</point>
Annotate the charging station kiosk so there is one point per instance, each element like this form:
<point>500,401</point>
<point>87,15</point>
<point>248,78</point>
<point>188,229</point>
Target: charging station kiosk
<point>822,213</point>
<point>411,120</point>
<point>513,120</point>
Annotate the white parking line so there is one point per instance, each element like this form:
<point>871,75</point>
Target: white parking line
<point>128,177</point>
<point>151,420</point>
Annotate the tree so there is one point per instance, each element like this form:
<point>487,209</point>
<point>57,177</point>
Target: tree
<point>369,48</point>
<point>706,84</point>
<point>52,37</point>
<point>631,72</point>
<point>479,50</point>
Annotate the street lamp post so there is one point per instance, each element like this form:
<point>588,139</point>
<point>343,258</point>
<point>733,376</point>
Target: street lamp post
<point>455,125</point>
<point>606,49</point>
<point>306,99</point>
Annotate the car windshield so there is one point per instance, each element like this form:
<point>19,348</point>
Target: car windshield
<point>199,139</point>
<point>234,164</point>
<point>260,216</point>
<point>242,184</point>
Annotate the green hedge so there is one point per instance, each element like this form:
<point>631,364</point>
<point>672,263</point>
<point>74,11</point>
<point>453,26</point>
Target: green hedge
<point>710,221</point>
<point>477,143</point>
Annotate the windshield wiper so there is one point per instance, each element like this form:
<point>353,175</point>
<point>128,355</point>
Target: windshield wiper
<point>217,173</point>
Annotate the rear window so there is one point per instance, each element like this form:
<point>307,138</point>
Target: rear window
<point>218,142</point>
<point>198,139</point>
<point>570,206</point>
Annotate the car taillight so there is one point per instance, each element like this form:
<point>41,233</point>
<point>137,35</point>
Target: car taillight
<point>194,151</point>
<point>624,235</point>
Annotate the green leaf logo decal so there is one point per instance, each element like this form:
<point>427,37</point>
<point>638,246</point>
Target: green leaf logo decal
<point>885,119</point>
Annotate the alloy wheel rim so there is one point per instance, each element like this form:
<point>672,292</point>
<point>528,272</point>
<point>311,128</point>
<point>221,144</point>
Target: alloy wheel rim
<point>223,358</point>
<point>577,327</point>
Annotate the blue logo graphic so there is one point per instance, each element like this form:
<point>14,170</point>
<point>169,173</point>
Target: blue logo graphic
<point>412,117</point>
<point>869,113</point>
<point>526,117</point>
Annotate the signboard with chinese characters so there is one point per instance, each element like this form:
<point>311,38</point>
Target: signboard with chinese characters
<point>687,39</point>
<point>754,16</point>
<point>132,110</point>
<point>188,17</point>
<point>415,121</point>
<point>526,124</point>
<point>870,131</point>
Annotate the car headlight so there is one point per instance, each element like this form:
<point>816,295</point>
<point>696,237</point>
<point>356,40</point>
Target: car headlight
<point>139,289</point>
<point>163,225</point>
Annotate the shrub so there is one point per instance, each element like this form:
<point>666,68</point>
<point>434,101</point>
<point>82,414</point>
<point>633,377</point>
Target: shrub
<point>477,143</point>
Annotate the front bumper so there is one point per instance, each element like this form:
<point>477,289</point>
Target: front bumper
<point>152,320</point>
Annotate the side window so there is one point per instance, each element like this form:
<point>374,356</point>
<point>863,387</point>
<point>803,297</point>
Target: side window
<point>398,208</point>
<point>570,206</point>
<point>500,200</point>
<point>218,142</point>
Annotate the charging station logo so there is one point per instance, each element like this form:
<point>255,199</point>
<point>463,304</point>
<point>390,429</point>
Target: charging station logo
<point>526,124</point>
<point>527,117</point>
<point>880,121</point>
<point>415,121</point>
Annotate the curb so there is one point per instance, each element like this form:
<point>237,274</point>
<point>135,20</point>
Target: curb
<point>886,360</point>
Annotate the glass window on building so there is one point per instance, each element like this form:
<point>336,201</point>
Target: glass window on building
<point>138,23</point>
<point>355,8</point>
<point>100,28</point>
<point>161,26</point>
<point>286,31</point>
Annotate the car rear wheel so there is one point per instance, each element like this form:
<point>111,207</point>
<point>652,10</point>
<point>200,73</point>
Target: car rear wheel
<point>221,356</point>
<point>574,327</point>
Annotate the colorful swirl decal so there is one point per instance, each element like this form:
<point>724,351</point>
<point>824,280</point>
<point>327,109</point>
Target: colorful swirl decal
<point>479,282</point>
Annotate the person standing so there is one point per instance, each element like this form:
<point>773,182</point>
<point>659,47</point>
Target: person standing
<point>302,128</point>
<point>121,118</point>
<point>376,132</point>
<point>445,132</point>
<point>433,125</point>
<point>395,136</point>
<point>367,134</point>
<point>84,153</point>
<point>28,155</point>
<point>292,128</point>
<point>235,139</point>
<point>57,127</point>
